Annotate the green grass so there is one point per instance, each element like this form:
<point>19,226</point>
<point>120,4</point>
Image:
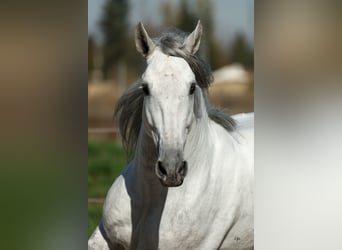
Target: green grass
<point>94,217</point>
<point>105,162</point>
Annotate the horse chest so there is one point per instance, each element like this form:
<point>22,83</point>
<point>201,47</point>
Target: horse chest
<point>185,225</point>
<point>173,229</point>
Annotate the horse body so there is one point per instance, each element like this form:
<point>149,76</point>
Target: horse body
<point>212,207</point>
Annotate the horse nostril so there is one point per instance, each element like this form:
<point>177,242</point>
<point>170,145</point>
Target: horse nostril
<point>182,170</point>
<point>161,168</point>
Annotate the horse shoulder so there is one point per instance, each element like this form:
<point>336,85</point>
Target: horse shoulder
<point>234,172</point>
<point>117,210</point>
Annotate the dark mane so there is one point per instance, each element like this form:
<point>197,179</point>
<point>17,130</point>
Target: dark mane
<point>129,107</point>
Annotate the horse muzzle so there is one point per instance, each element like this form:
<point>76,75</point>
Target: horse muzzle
<point>171,173</point>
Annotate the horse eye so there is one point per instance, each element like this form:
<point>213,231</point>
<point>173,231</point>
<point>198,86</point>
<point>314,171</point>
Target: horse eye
<point>145,89</point>
<point>192,88</point>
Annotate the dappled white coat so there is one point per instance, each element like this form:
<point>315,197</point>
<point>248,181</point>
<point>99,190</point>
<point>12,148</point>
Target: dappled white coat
<point>212,209</point>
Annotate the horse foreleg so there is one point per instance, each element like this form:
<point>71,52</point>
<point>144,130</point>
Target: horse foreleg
<point>97,241</point>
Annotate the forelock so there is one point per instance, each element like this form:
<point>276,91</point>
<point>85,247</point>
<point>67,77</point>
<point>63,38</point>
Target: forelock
<point>172,44</point>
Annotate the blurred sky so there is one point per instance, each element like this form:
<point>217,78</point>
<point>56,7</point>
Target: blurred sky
<point>230,16</point>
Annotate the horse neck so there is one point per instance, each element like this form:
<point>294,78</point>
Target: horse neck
<point>198,139</point>
<point>199,136</point>
<point>144,161</point>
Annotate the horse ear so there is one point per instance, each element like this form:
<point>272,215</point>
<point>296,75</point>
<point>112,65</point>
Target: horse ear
<point>193,41</point>
<point>143,42</point>
<point>197,103</point>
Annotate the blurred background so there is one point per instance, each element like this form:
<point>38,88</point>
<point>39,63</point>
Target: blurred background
<point>44,96</point>
<point>114,64</point>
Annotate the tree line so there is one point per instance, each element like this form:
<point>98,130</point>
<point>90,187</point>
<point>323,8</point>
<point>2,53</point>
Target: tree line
<point>118,46</point>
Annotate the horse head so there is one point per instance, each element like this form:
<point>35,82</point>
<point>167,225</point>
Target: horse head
<point>170,96</point>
